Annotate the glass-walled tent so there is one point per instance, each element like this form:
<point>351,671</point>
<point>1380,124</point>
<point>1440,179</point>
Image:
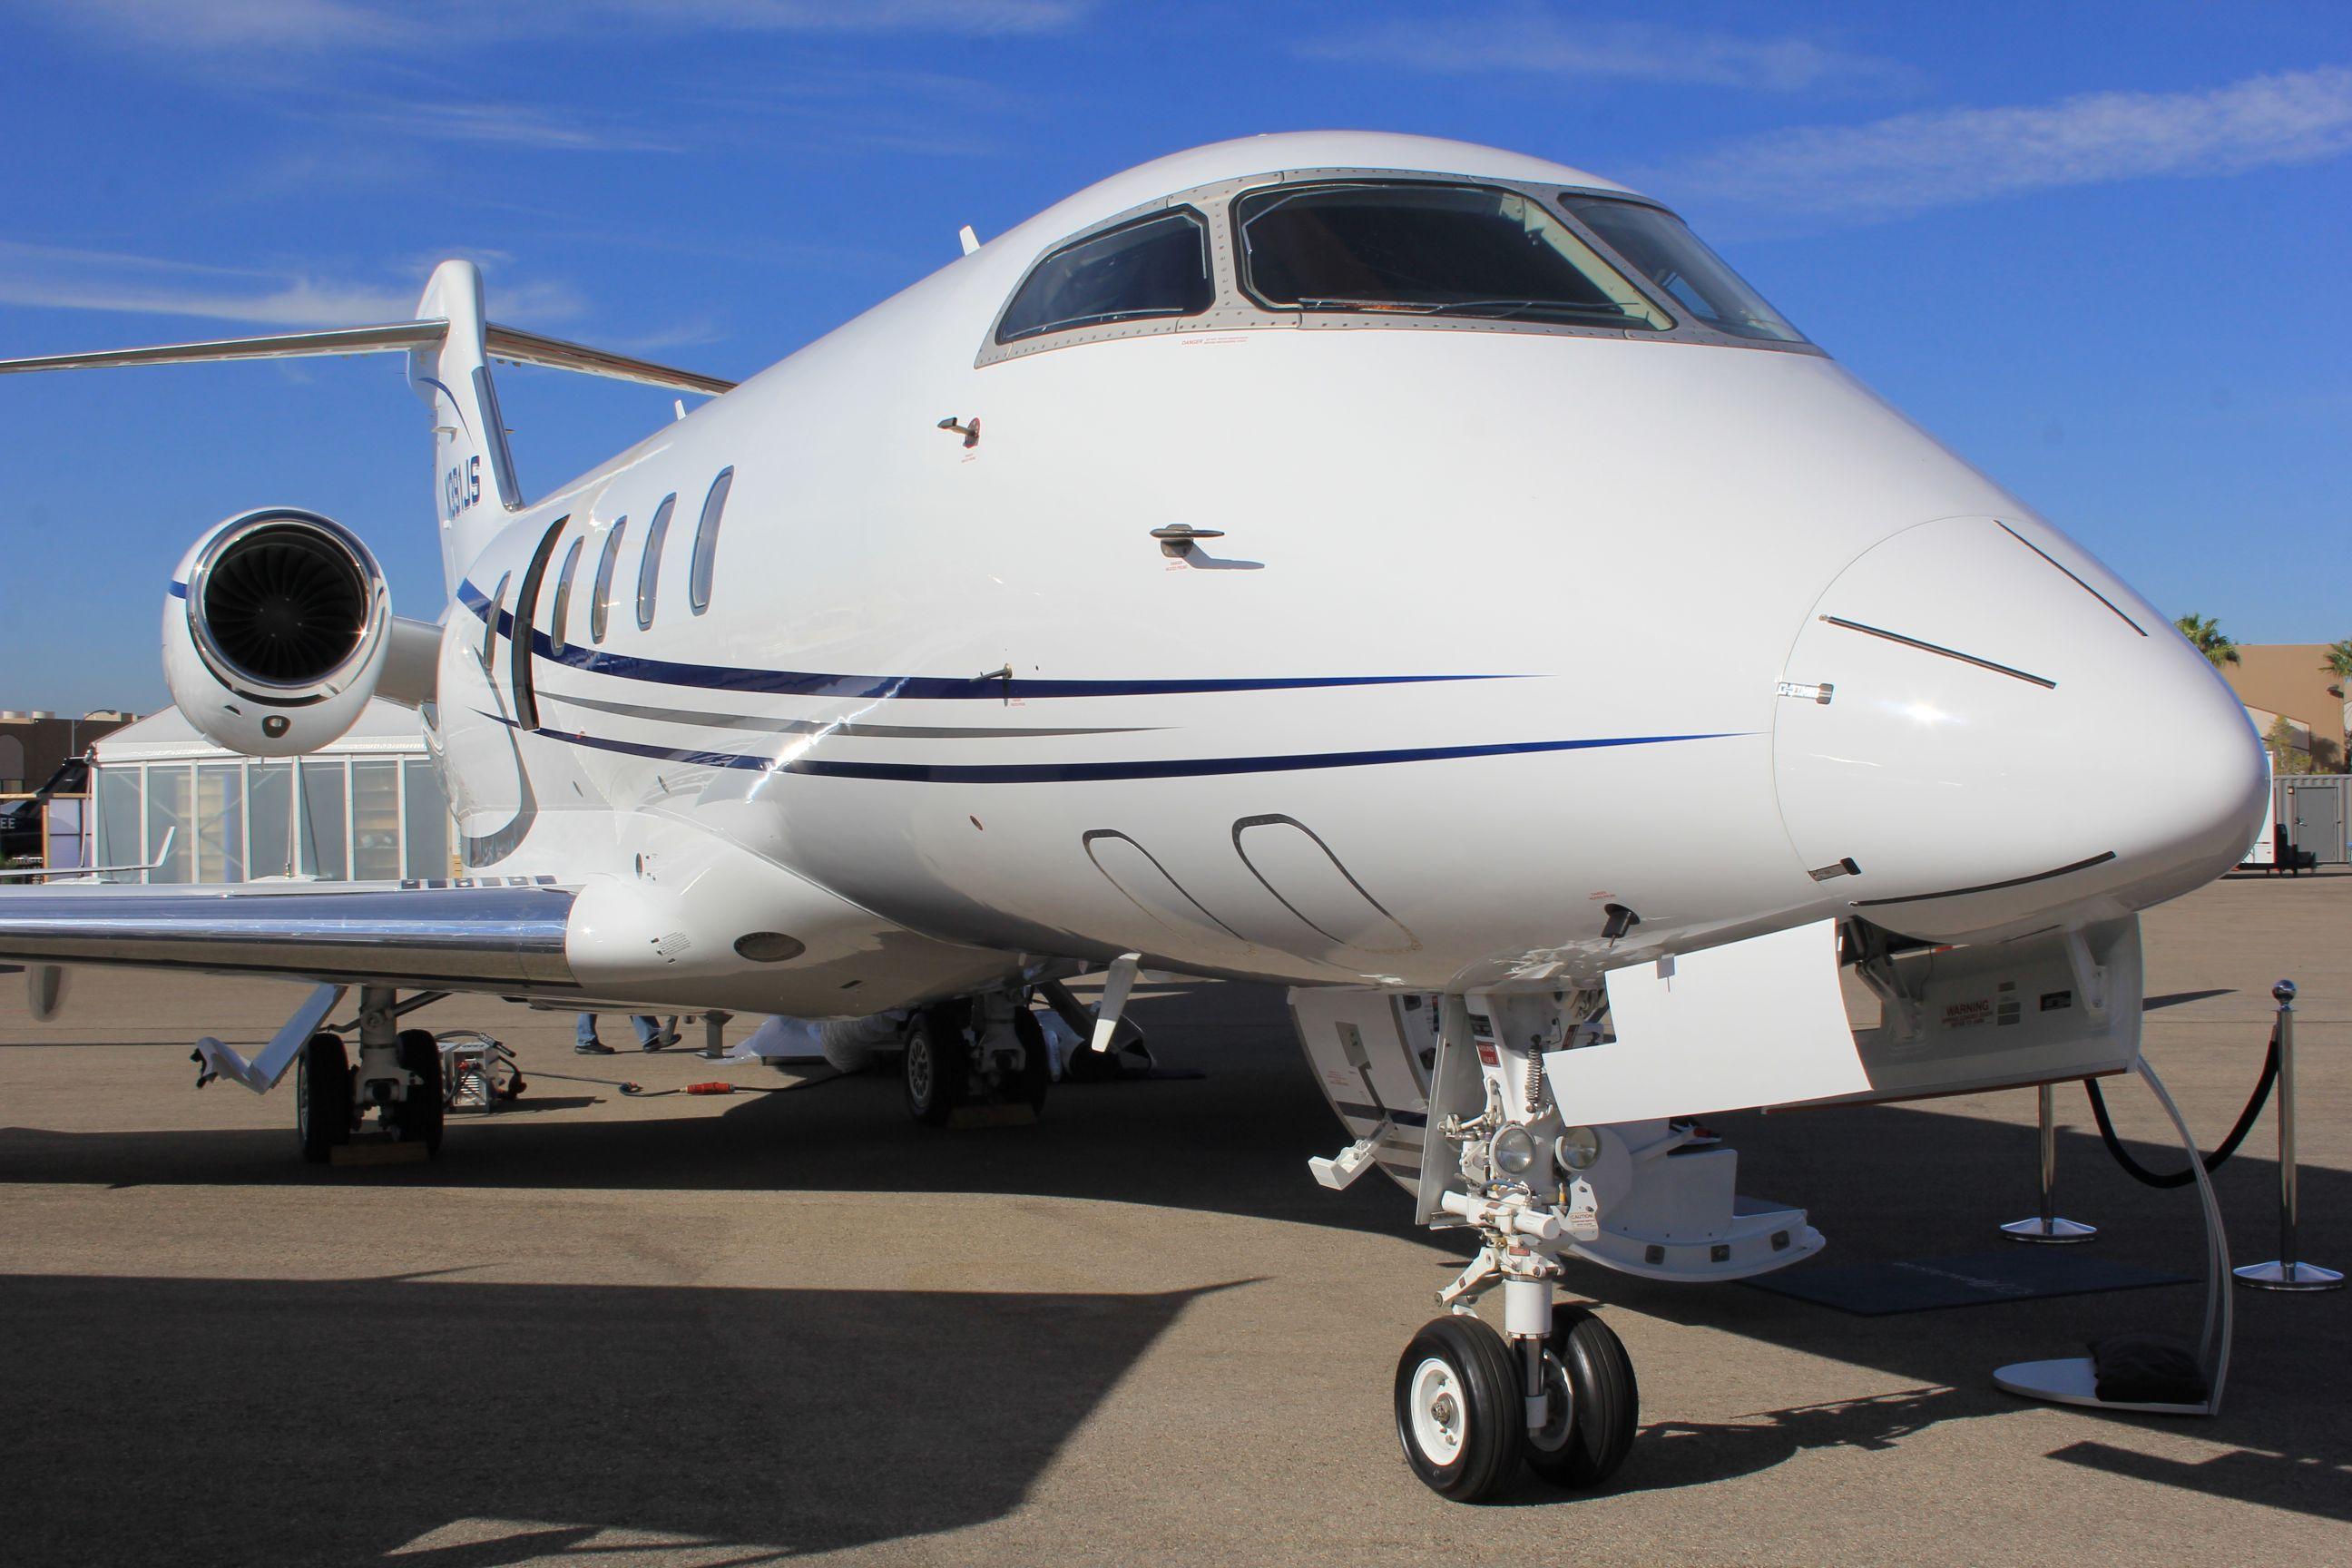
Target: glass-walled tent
<point>366,808</point>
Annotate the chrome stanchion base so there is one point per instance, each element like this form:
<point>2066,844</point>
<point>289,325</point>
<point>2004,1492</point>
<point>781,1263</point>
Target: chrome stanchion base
<point>2075,1380</point>
<point>2057,1232</point>
<point>2072,1380</point>
<point>2289,1277</point>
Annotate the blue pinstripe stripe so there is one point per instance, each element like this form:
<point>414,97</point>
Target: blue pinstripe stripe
<point>1099,773</point>
<point>981,688</point>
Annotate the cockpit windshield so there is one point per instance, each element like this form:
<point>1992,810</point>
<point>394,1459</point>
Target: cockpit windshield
<point>1154,267</point>
<point>1432,250</point>
<point>1670,255</point>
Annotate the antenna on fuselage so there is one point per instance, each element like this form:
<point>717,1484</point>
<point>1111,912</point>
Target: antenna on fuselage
<point>969,240</point>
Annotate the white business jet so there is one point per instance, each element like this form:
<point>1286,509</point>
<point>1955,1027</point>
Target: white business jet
<point>1420,574</point>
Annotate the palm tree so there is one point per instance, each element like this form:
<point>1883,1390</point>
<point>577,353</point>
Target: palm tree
<point>2205,635</point>
<point>2338,662</point>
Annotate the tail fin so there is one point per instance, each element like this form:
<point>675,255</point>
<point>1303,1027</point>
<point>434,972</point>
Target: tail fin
<point>472,470</point>
<point>448,346</point>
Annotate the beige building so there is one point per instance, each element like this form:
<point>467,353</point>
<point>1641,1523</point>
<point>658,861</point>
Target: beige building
<point>2291,681</point>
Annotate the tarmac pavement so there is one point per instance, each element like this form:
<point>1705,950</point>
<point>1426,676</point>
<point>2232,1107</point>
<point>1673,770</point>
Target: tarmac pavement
<point>703,1331</point>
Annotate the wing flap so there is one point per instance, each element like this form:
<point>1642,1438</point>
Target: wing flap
<point>434,938</point>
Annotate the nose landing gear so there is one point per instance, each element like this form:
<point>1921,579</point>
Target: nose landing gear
<point>1471,1126</point>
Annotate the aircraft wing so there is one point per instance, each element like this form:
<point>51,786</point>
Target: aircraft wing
<point>506,938</point>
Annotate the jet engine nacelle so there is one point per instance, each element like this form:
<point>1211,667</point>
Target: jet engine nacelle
<point>276,632</point>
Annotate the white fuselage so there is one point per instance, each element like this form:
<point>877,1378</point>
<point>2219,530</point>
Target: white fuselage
<point>1495,639</point>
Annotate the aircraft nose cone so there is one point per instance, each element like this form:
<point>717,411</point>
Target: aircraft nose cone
<point>1993,732</point>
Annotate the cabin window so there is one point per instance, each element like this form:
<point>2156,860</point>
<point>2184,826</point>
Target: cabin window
<point>600,607</point>
<point>1663,249</point>
<point>1429,249</point>
<point>563,597</point>
<point>496,608</point>
<point>1154,267</point>
<point>706,542</point>
<point>649,569</point>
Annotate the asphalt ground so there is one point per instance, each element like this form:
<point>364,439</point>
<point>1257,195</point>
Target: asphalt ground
<point>702,1330</point>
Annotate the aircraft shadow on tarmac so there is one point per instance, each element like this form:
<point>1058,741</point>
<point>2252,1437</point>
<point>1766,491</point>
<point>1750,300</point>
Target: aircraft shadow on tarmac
<point>160,1420</point>
<point>1882,1182</point>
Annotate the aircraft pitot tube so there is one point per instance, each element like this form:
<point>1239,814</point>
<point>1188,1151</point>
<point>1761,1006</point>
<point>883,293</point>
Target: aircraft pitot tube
<point>278,628</point>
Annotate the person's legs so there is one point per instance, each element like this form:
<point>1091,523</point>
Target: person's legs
<point>583,1037</point>
<point>649,1031</point>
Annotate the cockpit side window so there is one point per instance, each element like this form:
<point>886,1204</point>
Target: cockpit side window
<point>1663,249</point>
<point>1429,249</point>
<point>1154,267</point>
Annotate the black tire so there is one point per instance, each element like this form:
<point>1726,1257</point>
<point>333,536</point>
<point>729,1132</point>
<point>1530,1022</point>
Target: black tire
<point>1596,1405</point>
<point>936,1071</point>
<point>322,1096</point>
<point>420,1117</point>
<point>1037,1061</point>
<point>1459,1413</point>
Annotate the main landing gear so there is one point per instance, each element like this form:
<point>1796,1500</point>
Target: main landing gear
<point>981,1055</point>
<point>397,1076</point>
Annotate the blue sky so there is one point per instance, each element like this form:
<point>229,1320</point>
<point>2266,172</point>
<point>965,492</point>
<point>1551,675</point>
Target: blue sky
<point>2100,249</point>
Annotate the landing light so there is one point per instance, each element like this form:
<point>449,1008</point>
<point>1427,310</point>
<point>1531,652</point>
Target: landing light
<point>1577,1148</point>
<point>1514,1152</point>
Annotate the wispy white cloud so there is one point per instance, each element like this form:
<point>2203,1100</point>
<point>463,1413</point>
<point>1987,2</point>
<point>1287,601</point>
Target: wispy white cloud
<point>57,278</point>
<point>375,69</point>
<point>493,124</point>
<point>412,25</point>
<point>1531,39</point>
<point>233,24</point>
<point>959,17</point>
<point>1946,157</point>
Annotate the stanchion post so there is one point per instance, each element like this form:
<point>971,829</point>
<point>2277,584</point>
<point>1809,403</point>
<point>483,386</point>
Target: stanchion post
<point>2045,1225</point>
<point>2287,1272</point>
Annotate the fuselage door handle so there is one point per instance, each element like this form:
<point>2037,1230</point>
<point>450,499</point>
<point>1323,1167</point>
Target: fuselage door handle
<point>1177,538</point>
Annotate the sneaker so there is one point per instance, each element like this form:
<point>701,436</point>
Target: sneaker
<point>593,1048</point>
<point>662,1041</point>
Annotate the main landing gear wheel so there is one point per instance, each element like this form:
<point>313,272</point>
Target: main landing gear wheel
<point>1037,1062</point>
<point>938,1067</point>
<point>1459,1412</point>
<point>1594,1403</point>
<point>322,1096</point>
<point>419,1117</point>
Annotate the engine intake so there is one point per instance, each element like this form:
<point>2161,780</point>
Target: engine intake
<point>276,633</point>
<point>283,604</point>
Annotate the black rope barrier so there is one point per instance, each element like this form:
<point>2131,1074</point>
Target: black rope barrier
<point>2213,1162</point>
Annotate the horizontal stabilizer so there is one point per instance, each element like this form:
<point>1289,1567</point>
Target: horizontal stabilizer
<point>509,344</point>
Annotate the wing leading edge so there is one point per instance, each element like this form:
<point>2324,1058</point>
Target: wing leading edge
<point>449,939</point>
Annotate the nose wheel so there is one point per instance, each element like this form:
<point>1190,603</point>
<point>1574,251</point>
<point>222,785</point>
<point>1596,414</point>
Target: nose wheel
<point>1467,1424</point>
<point>1458,1409</point>
<point>1591,1403</point>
